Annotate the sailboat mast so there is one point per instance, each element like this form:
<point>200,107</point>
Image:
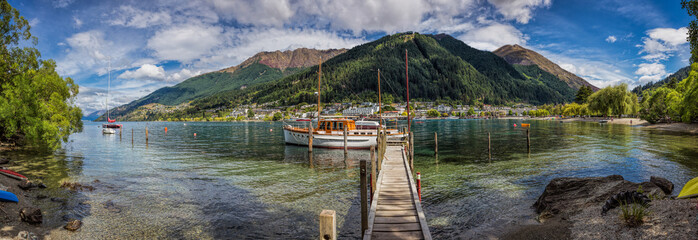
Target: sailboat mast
<point>319,76</point>
<point>380,105</point>
<point>407,80</point>
<point>108,85</point>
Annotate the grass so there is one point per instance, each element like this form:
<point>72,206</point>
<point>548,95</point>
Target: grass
<point>633,214</point>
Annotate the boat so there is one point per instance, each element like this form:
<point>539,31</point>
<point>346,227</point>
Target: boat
<point>109,127</point>
<point>12,174</point>
<point>690,189</point>
<point>6,196</point>
<point>603,121</point>
<point>525,125</point>
<point>329,132</point>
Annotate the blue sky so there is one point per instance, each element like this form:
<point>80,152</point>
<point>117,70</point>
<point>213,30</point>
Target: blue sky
<point>160,43</point>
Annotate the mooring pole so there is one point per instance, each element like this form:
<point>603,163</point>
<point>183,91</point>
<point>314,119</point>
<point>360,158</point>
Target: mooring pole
<point>528,140</point>
<point>489,145</point>
<point>310,136</point>
<point>345,139</point>
<point>328,225</point>
<point>146,134</point>
<point>412,151</point>
<point>436,143</point>
<point>131,137</point>
<point>364,198</point>
<point>374,176</point>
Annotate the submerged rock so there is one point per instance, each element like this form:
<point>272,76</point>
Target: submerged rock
<point>569,195</point>
<point>666,185</point>
<point>31,215</point>
<point>24,235</point>
<point>73,225</point>
<point>26,185</point>
<point>110,206</point>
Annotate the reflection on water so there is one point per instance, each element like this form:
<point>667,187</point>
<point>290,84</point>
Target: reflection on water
<point>239,180</point>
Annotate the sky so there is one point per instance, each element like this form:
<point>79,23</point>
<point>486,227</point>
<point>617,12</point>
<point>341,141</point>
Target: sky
<point>157,43</point>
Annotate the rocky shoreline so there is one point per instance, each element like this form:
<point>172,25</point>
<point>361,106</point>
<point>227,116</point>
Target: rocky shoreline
<point>25,219</point>
<point>571,208</point>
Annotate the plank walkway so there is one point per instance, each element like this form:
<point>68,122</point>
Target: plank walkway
<point>396,212</point>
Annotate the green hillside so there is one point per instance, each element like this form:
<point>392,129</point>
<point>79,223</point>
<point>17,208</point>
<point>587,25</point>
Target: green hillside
<point>438,70</point>
<point>206,85</point>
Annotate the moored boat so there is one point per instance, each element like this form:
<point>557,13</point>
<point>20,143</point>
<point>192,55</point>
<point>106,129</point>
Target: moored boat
<point>330,134</point>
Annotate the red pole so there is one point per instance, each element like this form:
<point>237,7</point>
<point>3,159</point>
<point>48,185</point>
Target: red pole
<point>419,186</point>
<point>407,80</point>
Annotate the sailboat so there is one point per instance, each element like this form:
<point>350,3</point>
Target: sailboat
<point>329,132</point>
<point>109,127</point>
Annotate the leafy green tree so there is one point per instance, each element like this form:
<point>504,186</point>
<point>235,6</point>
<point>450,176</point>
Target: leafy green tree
<point>277,116</point>
<point>614,100</point>
<point>37,106</point>
<point>250,114</point>
<point>691,7</point>
<point>433,113</point>
<point>661,105</point>
<point>471,111</point>
<point>689,88</point>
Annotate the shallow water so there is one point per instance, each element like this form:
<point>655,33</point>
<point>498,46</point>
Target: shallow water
<point>239,180</point>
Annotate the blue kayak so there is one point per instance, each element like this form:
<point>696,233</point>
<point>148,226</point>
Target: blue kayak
<point>8,196</point>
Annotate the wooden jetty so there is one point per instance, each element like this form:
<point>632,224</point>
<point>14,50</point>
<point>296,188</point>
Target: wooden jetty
<point>396,212</point>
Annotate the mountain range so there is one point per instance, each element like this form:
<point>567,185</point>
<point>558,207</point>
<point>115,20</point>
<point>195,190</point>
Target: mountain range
<point>440,68</point>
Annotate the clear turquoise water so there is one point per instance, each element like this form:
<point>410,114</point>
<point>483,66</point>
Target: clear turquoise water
<point>240,181</point>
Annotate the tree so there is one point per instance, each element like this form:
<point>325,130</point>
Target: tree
<point>471,111</point>
<point>691,7</point>
<point>277,116</point>
<point>37,106</point>
<point>583,94</point>
<point>661,105</point>
<point>250,114</point>
<point>433,113</point>
<point>614,100</point>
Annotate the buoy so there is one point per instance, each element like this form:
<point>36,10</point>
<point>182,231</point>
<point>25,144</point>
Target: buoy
<point>271,130</point>
<point>514,124</point>
<point>165,129</point>
<point>194,134</point>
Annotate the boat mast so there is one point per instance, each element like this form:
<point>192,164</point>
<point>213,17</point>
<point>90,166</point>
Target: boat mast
<point>407,80</point>
<point>319,76</point>
<point>108,85</point>
<point>380,106</point>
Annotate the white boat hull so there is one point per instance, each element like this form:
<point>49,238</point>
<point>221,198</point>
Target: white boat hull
<point>330,141</point>
<point>108,131</point>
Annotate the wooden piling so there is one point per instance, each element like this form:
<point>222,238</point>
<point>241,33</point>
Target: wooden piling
<point>328,225</point>
<point>345,140</point>
<point>412,151</point>
<point>489,145</point>
<point>373,170</point>
<point>310,137</point>
<point>528,140</point>
<point>364,198</point>
<point>132,137</point>
<point>146,134</point>
<point>436,143</point>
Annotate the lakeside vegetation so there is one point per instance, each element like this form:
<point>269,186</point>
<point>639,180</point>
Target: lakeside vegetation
<point>36,104</point>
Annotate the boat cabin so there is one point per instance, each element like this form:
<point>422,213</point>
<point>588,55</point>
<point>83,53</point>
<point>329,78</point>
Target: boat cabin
<point>336,125</point>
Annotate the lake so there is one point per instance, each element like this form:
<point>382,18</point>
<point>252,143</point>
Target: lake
<point>238,180</point>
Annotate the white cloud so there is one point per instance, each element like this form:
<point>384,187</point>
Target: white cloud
<point>182,75</point>
<point>34,21</point>
<point>145,72</point>
<point>256,12</point>
<point>129,16</point>
<point>662,43</point>
<point>493,36</point>
<point>594,71</point>
<point>651,72</point>
<point>521,10</point>
<point>62,3</point>
<point>77,22</point>
<point>185,43</point>
<point>611,39</point>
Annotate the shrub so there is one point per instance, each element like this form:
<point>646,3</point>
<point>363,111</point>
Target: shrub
<point>633,214</point>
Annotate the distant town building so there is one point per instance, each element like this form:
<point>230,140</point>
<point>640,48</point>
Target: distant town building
<point>356,111</point>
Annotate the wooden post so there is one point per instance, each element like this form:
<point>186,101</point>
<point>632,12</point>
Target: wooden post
<point>146,134</point>
<point>364,198</point>
<point>528,140</point>
<point>374,176</point>
<point>436,143</point>
<point>489,145</point>
<point>345,140</point>
<point>310,136</point>
<point>328,225</point>
<point>411,150</point>
<point>132,137</point>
